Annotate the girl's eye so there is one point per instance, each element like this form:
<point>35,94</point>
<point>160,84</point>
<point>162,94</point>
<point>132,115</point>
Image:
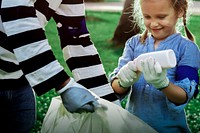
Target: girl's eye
<point>161,17</point>
<point>147,17</point>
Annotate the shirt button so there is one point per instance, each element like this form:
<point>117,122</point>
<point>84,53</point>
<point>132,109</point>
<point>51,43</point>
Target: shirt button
<point>192,83</point>
<point>147,85</point>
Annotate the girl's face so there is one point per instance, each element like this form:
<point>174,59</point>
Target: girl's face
<point>160,18</point>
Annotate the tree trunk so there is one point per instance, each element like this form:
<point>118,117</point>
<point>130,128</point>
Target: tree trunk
<point>126,27</point>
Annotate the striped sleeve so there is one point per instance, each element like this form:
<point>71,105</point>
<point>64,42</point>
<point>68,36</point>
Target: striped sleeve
<point>79,51</point>
<point>27,40</point>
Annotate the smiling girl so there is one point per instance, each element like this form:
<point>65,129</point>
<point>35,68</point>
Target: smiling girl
<point>159,97</point>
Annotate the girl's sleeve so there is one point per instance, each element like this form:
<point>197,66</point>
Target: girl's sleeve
<point>186,75</point>
<point>127,56</point>
<point>189,87</point>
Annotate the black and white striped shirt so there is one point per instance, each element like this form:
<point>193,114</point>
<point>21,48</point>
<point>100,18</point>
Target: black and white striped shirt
<point>25,52</point>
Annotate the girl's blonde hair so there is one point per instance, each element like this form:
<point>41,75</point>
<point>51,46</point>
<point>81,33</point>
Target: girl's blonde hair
<point>179,5</point>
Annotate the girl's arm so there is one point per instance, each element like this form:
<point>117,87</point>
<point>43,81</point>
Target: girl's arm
<point>175,94</point>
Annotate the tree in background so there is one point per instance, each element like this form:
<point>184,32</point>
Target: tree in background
<point>126,27</point>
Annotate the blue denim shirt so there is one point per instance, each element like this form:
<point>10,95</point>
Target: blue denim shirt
<point>150,104</point>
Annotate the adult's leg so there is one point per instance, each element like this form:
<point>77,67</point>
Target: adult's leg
<point>18,111</point>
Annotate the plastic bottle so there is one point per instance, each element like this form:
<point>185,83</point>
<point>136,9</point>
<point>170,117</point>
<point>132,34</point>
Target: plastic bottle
<point>166,58</point>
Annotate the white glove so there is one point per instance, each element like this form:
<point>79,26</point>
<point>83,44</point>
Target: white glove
<point>77,98</point>
<point>127,74</point>
<point>154,74</point>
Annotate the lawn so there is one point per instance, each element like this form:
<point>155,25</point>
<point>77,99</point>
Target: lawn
<point>101,26</point>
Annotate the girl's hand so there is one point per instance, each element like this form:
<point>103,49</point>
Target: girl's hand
<point>128,74</point>
<point>154,74</point>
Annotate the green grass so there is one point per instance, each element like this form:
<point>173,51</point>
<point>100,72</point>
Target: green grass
<point>101,26</point>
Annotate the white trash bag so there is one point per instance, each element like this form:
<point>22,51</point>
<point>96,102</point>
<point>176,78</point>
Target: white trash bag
<point>110,118</point>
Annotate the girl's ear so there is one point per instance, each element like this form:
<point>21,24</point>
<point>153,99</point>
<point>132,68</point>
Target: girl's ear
<point>181,13</point>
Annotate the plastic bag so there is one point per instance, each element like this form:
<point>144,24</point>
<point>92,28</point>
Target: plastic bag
<point>110,118</point>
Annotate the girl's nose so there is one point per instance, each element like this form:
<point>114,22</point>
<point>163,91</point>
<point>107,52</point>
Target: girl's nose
<point>154,24</point>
